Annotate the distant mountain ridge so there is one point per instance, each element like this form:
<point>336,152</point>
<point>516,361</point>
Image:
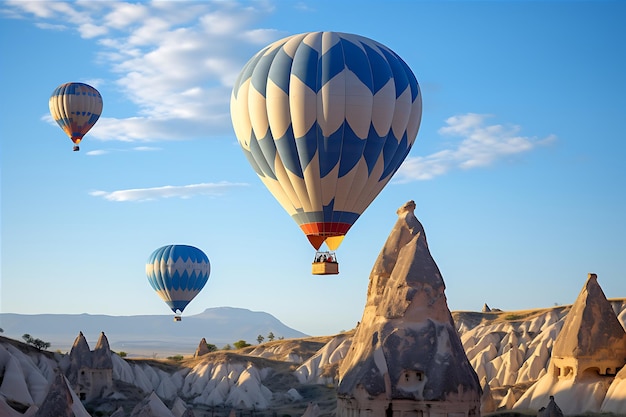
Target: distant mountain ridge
<point>149,335</point>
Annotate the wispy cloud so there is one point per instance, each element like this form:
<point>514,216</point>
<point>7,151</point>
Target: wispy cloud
<point>50,26</point>
<point>168,191</point>
<point>479,145</point>
<point>175,61</point>
<point>302,6</point>
<point>146,148</point>
<point>177,65</point>
<point>98,152</point>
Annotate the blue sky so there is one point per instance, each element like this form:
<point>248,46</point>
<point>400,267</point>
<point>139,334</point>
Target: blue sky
<point>518,169</point>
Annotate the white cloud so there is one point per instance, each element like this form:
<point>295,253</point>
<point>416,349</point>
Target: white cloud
<point>146,148</point>
<point>221,23</point>
<point>152,129</point>
<point>480,145</point>
<point>125,14</point>
<point>97,152</point>
<point>89,30</point>
<point>50,26</point>
<point>168,191</point>
<point>175,61</point>
<point>37,9</point>
<point>262,37</point>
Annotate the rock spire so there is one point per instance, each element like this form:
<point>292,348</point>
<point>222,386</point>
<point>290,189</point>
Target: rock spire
<point>406,354</point>
<point>203,348</point>
<point>80,357</point>
<point>592,338</point>
<point>101,355</point>
<point>61,401</point>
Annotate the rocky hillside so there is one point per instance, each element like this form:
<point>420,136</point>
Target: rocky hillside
<point>509,351</point>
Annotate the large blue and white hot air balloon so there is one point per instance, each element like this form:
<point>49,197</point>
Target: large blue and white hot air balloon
<point>326,119</point>
<point>178,273</point>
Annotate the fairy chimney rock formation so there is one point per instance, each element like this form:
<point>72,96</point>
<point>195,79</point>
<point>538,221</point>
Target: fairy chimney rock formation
<point>406,357</point>
<point>59,401</point>
<point>90,373</point>
<point>203,349</point>
<point>80,357</point>
<point>592,339</point>
<point>101,356</point>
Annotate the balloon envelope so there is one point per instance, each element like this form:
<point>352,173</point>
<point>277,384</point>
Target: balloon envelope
<point>178,273</point>
<point>76,107</point>
<point>326,119</point>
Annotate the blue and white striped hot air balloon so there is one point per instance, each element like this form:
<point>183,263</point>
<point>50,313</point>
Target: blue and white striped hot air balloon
<point>326,119</point>
<point>76,107</point>
<point>178,273</point>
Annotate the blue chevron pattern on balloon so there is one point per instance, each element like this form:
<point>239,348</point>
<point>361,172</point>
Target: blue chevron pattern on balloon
<point>177,273</point>
<point>372,63</point>
<point>325,120</point>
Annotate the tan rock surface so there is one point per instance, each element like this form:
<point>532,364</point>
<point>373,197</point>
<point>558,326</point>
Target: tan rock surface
<point>592,337</point>
<point>406,350</point>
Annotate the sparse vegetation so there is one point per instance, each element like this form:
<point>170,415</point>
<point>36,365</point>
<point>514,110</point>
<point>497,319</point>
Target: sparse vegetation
<point>176,358</point>
<point>260,339</point>
<point>240,344</point>
<point>37,343</point>
<point>122,354</point>
<point>270,336</point>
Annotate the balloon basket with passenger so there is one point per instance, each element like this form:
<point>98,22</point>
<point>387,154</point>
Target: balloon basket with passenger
<point>325,263</point>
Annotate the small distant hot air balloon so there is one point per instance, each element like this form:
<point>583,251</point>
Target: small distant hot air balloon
<point>326,119</point>
<point>178,273</point>
<point>76,107</point>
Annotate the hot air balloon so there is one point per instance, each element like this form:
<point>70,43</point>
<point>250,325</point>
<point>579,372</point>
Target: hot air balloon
<point>326,119</point>
<point>178,273</point>
<point>76,107</point>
